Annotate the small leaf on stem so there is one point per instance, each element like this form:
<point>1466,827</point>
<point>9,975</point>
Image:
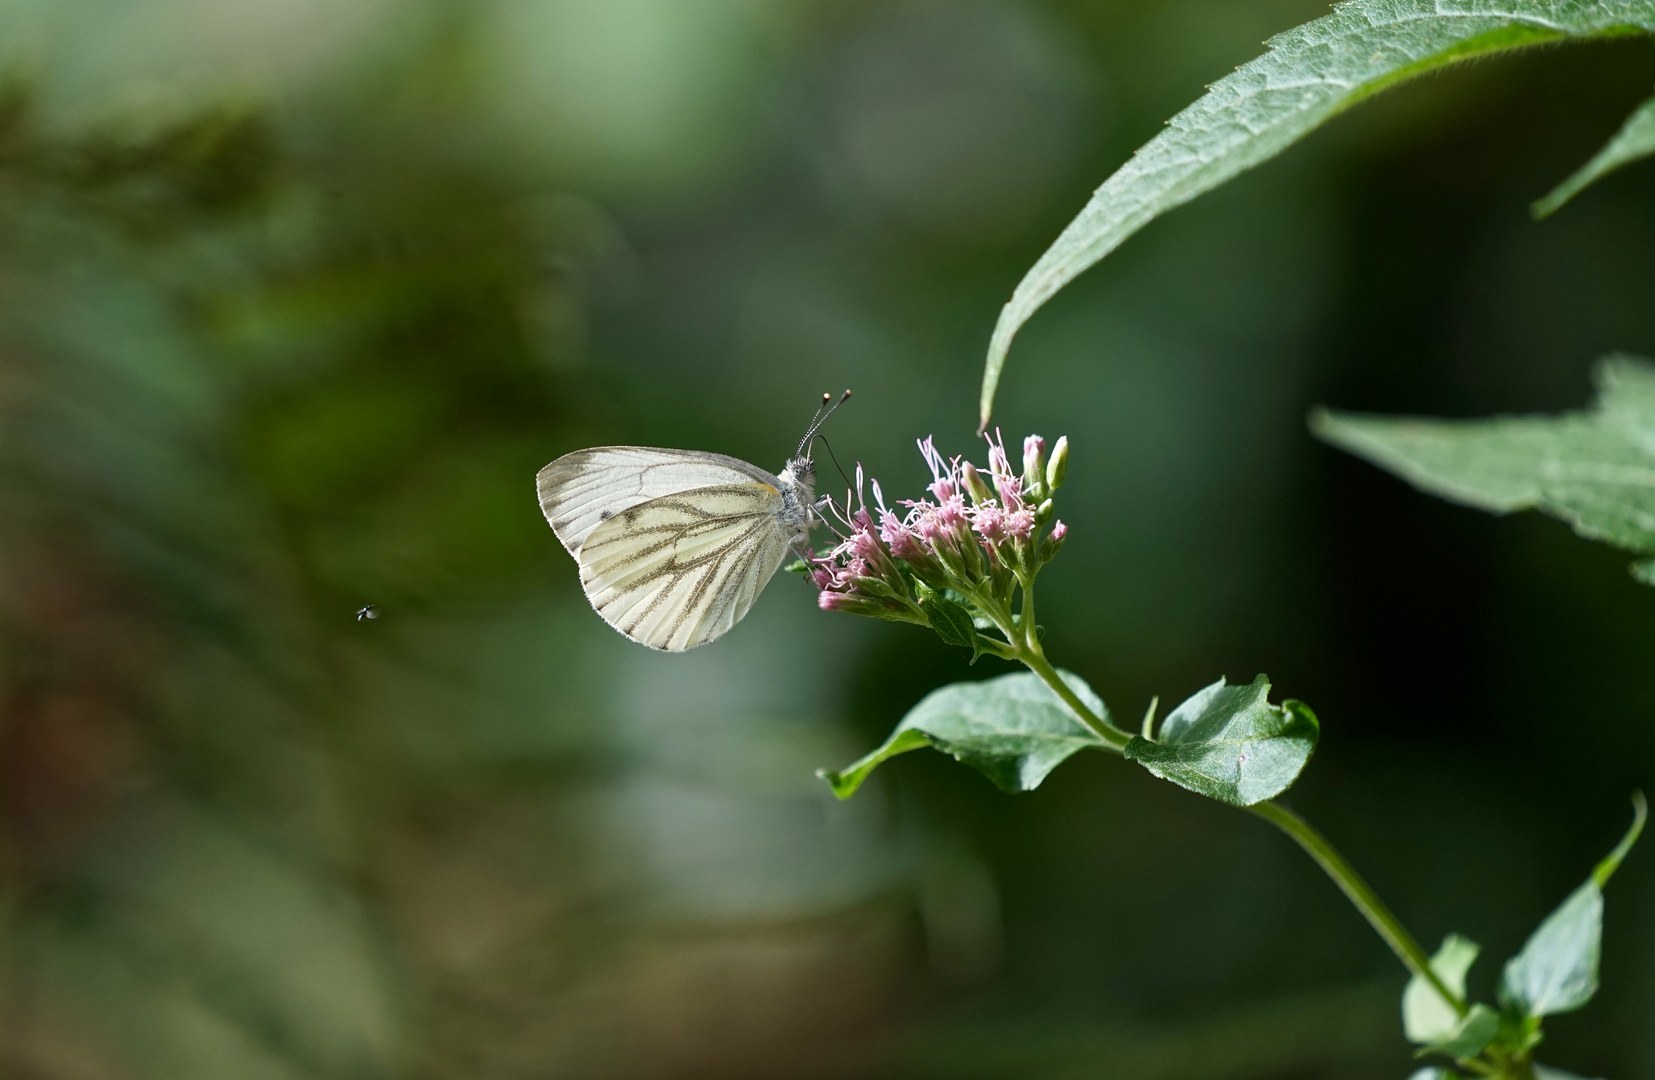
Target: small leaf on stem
<point>1471,1034</point>
<point>1149,718</point>
<point>1426,1017</point>
<point>952,622</point>
<point>1557,970</point>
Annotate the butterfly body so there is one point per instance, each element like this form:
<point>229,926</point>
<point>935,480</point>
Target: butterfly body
<point>674,546</point>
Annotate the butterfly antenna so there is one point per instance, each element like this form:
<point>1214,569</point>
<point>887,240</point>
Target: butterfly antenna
<point>810,428</point>
<point>832,455</point>
<point>823,411</point>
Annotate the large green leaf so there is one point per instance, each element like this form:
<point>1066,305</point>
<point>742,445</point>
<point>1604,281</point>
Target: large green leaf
<point>1594,469</point>
<point>1231,744</point>
<point>1557,970</point>
<point>1013,729</point>
<point>1310,74</point>
<point>1426,1018</point>
<point>1634,141</point>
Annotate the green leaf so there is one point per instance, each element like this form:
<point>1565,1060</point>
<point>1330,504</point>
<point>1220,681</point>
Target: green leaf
<point>1013,729</point>
<point>1229,743</point>
<point>1471,1034</point>
<point>1435,1072</point>
<point>1311,73</point>
<point>1593,469</point>
<point>1557,970</point>
<point>1634,141</point>
<point>1426,1018</point>
<point>952,622</point>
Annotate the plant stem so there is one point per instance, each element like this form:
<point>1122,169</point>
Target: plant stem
<point>1103,729</point>
<point>1385,924</point>
<point>1028,650</point>
<point>1024,640</point>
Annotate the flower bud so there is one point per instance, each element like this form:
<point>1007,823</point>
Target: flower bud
<point>1043,512</point>
<point>1054,541</point>
<point>1058,465</point>
<point>851,603</point>
<point>974,483</point>
<point>1000,577</point>
<point>961,558</point>
<point>1034,463</point>
<point>998,464</point>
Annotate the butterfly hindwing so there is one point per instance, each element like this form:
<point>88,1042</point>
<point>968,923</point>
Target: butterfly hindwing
<point>580,491</point>
<point>680,569</point>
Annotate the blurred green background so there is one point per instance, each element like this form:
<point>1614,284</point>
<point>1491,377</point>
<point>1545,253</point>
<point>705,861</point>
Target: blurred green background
<point>296,298</point>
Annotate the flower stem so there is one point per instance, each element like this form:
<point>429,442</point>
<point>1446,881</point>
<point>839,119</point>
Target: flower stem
<point>1385,924</point>
<point>1103,729</point>
<point>1026,644</point>
<point>1022,643</point>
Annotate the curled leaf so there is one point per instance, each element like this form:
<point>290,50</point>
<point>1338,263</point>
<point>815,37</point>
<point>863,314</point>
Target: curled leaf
<point>1229,743</point>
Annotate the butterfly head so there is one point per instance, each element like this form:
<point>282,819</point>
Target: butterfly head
<point>799,477</point>
<point>800,473</point>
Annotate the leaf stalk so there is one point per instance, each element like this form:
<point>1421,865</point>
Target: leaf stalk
<point>1361,895</point>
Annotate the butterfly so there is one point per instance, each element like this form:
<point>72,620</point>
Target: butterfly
<point>675,545</point>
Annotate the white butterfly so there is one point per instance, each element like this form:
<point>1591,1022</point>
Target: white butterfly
<point>675,545</point>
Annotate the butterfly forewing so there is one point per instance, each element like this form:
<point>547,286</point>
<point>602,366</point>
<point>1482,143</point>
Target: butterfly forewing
<point>679,570</point>
<point>580,491</point>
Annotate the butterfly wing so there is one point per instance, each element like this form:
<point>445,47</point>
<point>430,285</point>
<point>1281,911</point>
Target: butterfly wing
<point>580,491</point>
<point>680,570</point>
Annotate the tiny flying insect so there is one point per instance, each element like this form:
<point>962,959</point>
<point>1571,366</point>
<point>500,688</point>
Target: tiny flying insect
<point>675,545</point>
<point>367,611</point>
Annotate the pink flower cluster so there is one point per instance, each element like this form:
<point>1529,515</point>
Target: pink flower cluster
<point>970,534</point>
